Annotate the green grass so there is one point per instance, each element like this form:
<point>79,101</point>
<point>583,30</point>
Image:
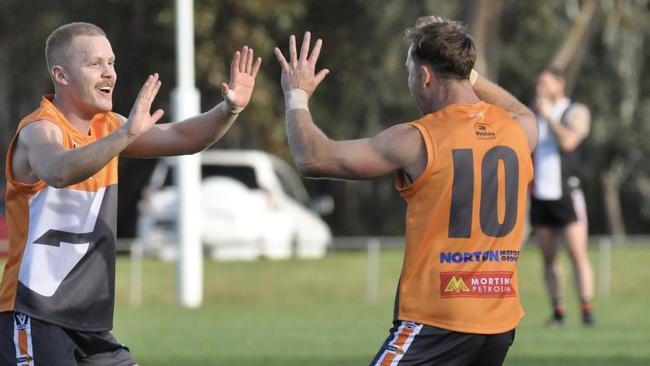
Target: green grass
<point>262,313</point>
<point>622,334</point>
<point>314,313</point>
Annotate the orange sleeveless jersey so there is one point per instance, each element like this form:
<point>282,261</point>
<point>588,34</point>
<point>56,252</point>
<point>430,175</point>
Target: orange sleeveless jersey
<point>61,264</point>
<point>465,220</point>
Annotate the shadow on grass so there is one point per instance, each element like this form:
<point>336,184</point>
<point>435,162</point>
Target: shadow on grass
<point>575,361</point>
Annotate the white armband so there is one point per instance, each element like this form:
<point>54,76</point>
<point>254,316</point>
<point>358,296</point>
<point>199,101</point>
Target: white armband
<point>231,108</point>
<point>296,99</point>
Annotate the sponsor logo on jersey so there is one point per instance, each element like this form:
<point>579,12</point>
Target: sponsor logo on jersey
<point>476,284</point>
<point>456,284</point>
<point>484,132</point>
<point>480,256</point>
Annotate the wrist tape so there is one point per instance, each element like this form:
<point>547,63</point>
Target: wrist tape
<point>296,99</point>
<point>231,108</point>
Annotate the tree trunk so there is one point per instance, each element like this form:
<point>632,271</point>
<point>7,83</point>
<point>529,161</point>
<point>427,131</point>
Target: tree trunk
<point>422,7</point>
<point>484,20</point>
<point>642,184</point>
<point>5,110</point>
<point>624,41</point>
<point>570,55</point>
<point>611,181</point>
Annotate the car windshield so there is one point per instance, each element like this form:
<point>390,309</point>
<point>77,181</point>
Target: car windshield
<point>290,182</point>
<point>244,174</point>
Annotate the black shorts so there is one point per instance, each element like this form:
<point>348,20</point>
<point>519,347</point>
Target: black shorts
<point>558,213</point>
<point>410,344</point>
<point>26,341</point>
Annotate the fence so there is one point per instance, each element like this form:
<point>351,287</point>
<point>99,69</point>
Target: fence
<point>373,246</point>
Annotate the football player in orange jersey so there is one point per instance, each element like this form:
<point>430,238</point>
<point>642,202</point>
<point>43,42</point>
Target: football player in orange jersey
<point>463,169</point>
<point>57,289</point>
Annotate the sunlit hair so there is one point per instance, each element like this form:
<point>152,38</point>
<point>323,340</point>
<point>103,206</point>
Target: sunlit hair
<point>444,45</point>
<point>59,40</point>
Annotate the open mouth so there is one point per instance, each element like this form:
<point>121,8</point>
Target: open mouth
<point>106,90</point>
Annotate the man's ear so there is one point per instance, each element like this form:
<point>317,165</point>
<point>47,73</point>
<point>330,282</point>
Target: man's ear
<point>427,76</point>
<point>58,75</point>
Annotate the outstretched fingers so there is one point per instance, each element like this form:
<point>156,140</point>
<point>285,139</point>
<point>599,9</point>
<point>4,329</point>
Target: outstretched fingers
<point>148,92</point>
<point>234,65</point>
<point>243,59</point>
<point>140,116</point>
<point>292,50</point>
<point>305,55</point>
<point>157,115</point>
<point>244,62</point>
<point>280,57</point>
<point>321,75</point>
<point>299,70</point>
<point>155,89</point>
<point>304,50</point>
<point>256,67</point>
<point>249,61</point>
<point>315,53</point>
<point>144,90</point>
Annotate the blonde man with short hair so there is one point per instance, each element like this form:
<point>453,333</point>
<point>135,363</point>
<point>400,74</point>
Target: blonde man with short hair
<point>58,286</point>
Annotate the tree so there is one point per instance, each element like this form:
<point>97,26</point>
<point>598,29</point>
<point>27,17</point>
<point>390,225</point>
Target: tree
<point>599,43</point>
<point>569,56</point>
<point>623,36</point>
<point>484,20</point>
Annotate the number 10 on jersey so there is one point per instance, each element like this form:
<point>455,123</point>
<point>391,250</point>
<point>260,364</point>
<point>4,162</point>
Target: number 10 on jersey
<point>462,192</point>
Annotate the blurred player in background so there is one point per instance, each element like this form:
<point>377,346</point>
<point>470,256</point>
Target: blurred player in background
<point>463,169</point>
<point>557,203</point>
<point>58,286</point>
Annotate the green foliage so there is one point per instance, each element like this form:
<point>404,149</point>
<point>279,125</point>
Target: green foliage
<point>366,90</point>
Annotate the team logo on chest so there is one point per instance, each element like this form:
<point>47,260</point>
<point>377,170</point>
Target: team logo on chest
<point>457,285</point>
<point>483,131</point>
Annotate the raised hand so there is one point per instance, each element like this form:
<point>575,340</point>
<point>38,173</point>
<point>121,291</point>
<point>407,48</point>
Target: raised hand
<point>238,92</point>
<point>140,119</point>
<point>543,106</point>
<point>299,72</point>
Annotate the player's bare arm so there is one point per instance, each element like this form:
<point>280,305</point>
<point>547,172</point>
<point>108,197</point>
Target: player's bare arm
<point>571,135</point>
<point>198,133</point>
<point>40,154</point>
<point>397,148</point>
<point>491,93</point>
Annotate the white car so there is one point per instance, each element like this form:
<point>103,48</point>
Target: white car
<point>254,205</point>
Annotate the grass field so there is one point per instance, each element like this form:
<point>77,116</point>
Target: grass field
<point>314,313</point>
